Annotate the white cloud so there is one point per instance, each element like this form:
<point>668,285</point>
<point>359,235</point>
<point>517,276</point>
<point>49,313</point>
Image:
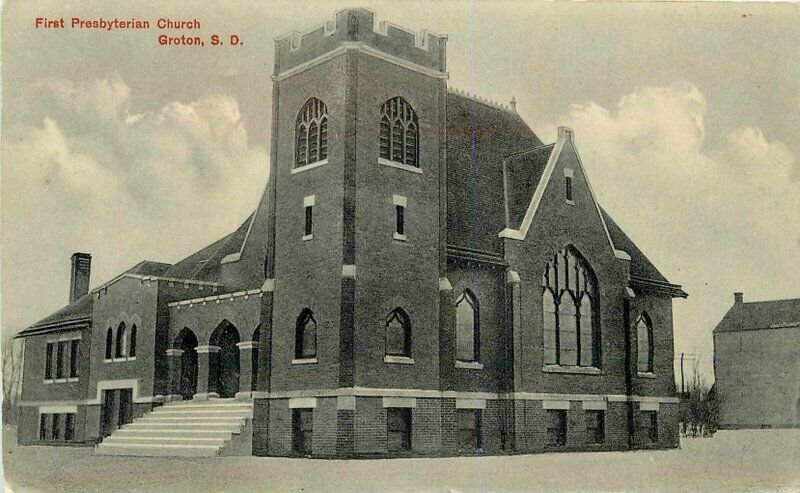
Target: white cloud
<point>716,219</point>
<point>81,171</point>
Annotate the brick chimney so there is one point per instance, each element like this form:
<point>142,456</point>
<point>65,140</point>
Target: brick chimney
<point>738,299</point>
<point>79,278</point>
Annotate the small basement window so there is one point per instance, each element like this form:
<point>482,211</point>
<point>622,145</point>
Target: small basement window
<point>557,428</point>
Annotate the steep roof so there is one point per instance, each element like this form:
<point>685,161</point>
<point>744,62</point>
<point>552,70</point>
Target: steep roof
<point>640,264</point>
<point>479,136</point>
<point>75,314</point>
<point>524,170</point>
<point>757,315</point>
<point>203,265</point>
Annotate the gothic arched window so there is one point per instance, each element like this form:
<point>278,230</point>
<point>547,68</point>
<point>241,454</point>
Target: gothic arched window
<point>467,327</point>
<point>305,345</point>
<point>399,132</point>
<point>132,345</point>
<point>569,311</point>
<point>109,343</point>
<point>121,340</point>
<point>644,339</point>
<point>398,333</point>
<point>311,132</point>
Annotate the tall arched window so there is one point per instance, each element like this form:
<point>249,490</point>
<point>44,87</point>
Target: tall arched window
<point>305,335</point>
<point>311,132</point>
<point>550,328</point>
<point>398,333</point>
<point>132,345</point>
<point>569,311</point>
<point>644,339</point>
<point>467,327</point>
<point>109,343</point>
<point>399,132</point>
<point>121,340</point>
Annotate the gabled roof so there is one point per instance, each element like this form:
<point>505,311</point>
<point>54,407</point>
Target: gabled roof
<point>203,265</point>
<point>757,315</point>
<point>74,315</point>
<point>79,312</point>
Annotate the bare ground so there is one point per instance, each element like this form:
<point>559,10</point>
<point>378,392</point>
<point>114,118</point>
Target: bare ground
<point>732,461</point>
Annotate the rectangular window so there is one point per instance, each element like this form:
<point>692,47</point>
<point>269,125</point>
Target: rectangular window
<point>56,428</point>
<point>398,428</point>
<point>568,188</point>
<point>649,426</point>
<point>60,359</point>
<point>48,362</point>
<point>400,219</point>
<point>556,427</point>
<point>469,429</point>
<point>309,220</point>
<point>42,427</point>
<point>69,427</point>
<point>302,430</point>
<point>595,427</point>
<point>73,358</point>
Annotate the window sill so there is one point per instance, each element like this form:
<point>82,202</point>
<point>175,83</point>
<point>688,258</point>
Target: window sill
<point>304,361</point>
<point>469,365</point>
<point>307,167</point>
<point>400,360</point>
<point>645,374</point>
<point>393,164</point>
<point>579,370</point>
<point>60,380</point>
<point>308,237</point>
<point>569,202</point>
<point>120,359</point>
<point>397,236</point>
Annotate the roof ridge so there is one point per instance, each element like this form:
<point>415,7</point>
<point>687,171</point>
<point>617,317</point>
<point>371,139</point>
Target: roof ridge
<point>770,301</point>
<point>525,151</point>
<point>480,99</point>
<point>223,244</point>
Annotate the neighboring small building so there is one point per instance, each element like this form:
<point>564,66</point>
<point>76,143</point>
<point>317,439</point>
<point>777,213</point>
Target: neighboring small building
<point>756,347</point>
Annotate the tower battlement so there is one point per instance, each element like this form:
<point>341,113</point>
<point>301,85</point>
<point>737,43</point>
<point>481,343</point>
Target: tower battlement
<point>351,26</point>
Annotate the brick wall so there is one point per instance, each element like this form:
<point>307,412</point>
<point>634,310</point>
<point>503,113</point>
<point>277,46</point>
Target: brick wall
<point>370,427</point>
<point>426,427</point>
<point>756,377</point>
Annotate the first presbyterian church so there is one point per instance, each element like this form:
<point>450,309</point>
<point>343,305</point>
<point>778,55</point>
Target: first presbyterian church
<point>422,276</point>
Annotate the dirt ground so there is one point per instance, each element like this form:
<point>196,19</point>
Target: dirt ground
<point>732,461</point>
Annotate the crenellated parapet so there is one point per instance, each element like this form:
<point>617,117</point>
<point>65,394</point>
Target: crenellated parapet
<point>357,26</point>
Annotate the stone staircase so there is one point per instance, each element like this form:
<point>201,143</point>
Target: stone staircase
<point>186,429</point>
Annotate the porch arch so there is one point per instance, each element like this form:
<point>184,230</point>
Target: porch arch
<point>224,364</point>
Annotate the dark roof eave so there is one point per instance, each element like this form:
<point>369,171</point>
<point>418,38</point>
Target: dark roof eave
<point>472,255</point>
<point>658,287</point>
<point>61,325</point>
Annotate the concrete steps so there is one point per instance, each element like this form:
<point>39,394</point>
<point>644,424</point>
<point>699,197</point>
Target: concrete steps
<point>186,429</point>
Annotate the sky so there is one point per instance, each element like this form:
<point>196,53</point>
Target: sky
<point>685,116</point>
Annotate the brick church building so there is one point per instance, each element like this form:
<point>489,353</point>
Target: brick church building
<point>422,276</point>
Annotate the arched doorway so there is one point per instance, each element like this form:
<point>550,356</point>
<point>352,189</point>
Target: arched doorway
<point>224,378</point>
<point>187,342</point>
